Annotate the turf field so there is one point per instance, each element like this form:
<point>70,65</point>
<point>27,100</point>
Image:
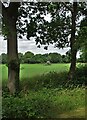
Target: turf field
<point>31,70</point>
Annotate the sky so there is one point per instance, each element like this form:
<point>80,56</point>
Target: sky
<point>25,45</point>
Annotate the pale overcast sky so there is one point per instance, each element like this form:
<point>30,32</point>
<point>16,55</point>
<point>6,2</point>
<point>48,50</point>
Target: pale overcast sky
<point>25,45</point>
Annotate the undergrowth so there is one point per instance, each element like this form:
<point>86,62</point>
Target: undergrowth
<point>46,96</point>
<point>46,103</point>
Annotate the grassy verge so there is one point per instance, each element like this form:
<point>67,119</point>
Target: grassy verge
<point>48,103</point>
<point>49,95</point>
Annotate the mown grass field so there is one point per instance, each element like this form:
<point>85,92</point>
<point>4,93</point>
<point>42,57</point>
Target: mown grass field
<point>31,70</point>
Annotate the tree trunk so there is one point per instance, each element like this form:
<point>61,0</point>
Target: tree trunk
<point>72,42</point>
<point>13,63</point>
<point>9,19</point>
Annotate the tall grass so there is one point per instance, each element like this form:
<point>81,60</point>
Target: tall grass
<point>47,95</point>
<point>46,103</point>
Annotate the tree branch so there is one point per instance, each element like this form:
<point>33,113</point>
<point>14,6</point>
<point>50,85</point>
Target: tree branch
<point>67,6</point>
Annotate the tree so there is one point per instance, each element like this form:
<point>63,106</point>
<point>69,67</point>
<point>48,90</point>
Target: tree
<point>10,15</point>
<point>54,58</point>
<point>39,58</point>
<point>66,58</point>
<point>29,54</point>
<point>3,58</point>
<point>82,38</point>
<point>64,17</point>
<point>64,25</point>
<point>12,26</point>
<point>21,57</point>
<point>27,57</point>
<point>72,42</point>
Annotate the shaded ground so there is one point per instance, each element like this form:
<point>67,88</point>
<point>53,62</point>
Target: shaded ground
<point>79,113</point>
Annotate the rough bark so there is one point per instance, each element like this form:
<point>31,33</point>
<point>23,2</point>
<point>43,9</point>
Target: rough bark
<point>9,19</point>
<point>72,42</point>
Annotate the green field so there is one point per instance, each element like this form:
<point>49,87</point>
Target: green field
<point>44,93</point>
<point>31,70</point>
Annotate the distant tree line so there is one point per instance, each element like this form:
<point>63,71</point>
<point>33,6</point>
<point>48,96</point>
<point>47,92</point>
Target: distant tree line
<point>30,58</point>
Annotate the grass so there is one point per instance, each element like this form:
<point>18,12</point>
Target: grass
<point>78,113</point>
<point>30,70</point>
<point>48,103</point>
<point>44,93</point>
